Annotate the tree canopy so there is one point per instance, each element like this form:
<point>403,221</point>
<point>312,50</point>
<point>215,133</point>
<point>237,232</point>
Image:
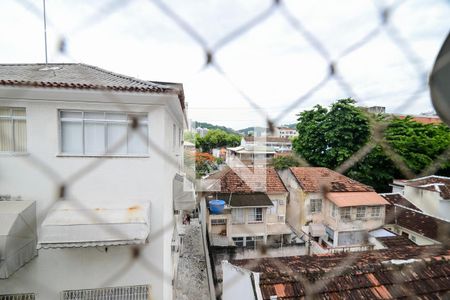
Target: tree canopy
<point>216,138</point>
<point>328,137</point>
<point>285,161</point>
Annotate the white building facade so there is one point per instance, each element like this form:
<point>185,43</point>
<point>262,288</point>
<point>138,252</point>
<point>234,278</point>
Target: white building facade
<point>96,139</point>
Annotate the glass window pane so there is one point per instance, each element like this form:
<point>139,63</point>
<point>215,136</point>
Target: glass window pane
<point>71,114</point>
<point>5,111</point>
<point>20,135</point>
<point>19,112</point>
<point>6,140</point>
<point>138,139</point>
<point>117,138</point>
<point>94,138</point>
<point>94,116</point>
<point>116,116</point>
<point>72,137</point>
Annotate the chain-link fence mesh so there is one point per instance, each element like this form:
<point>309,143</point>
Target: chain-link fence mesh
<point>385,24</point>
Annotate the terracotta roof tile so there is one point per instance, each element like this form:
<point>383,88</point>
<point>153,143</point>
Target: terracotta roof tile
<point>249,180</point>
<point>421,223</point>
<point>317,179</point>
<point>80,76</point>
<point>368,276</point>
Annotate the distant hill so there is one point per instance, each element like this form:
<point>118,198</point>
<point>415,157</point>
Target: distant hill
<point>211,126</point>
<point>292,126</point>
<point>253,130</point>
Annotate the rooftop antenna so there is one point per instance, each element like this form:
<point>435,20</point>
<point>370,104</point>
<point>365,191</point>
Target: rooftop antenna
<point>45,33</point>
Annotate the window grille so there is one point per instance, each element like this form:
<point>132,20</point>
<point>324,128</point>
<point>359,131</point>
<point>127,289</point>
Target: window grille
<point>28,296</point>
<point>137,292</point>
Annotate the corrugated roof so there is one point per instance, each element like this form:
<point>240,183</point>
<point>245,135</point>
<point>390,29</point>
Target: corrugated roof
<point>356,199</point>
<point>318,179</point>
<point>80,76</point>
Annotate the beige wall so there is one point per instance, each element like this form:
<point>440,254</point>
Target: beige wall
<point>413,236</point>
<point>429,201</point>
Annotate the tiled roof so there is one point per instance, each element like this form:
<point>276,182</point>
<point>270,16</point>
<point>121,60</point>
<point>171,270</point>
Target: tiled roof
<point>424,120</point>
<point>365,276</point>
<point>432,183</point>
<point>268,139</point>
<point>80,76</point>
<point>395,241</point>
<point>355,199</point>
<point>249,180</point>
<point>425,225</point>
<point>245,200</point>
<point>317,179</point>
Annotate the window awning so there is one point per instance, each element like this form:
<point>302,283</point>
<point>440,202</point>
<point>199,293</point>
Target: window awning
<point>17,235</point>
<point>346,199</point>
<point>73,224</point>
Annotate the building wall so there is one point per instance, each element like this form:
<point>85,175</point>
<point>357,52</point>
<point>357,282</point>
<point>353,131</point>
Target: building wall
<point>56,270</point>
<point>295,213</point>
<point>428,201</point>
<point>112,180</point>
<point>413,236</point>
<point>281,208</point>
<point>237,283</point>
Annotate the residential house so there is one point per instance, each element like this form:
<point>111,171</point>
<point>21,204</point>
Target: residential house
<point>278,143</point>
<point>100,155</point>
<point>250,155</point>
<point>285,132</point>
<point>397,273</point>
<point>255,207</point>
<point>333,209</point>
<point>407,220</point>
<point>431,194</point>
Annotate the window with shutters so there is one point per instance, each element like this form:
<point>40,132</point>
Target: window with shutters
<point>13,130</point>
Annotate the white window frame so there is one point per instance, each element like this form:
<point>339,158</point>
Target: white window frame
<point>218,222</point>
<point>255,215</point>
<point>375,211</point>
<point>333,210</point>
<point>105,121</point>
<point>13,118</point>
<point>345,213</point>
<point>361,212</point>
<point>315,206</point>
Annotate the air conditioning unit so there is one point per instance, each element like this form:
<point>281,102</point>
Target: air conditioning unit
<point>280,218</point>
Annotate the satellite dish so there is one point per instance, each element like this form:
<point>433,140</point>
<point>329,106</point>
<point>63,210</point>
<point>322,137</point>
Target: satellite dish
<point>440,82</point>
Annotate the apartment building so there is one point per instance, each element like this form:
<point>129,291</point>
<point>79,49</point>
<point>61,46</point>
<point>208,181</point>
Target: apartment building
<point>333,209</point>
<point>285,132</point>
<point>100,156</point>
<point>255,207</point>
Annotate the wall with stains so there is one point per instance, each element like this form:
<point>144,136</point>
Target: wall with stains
<point>38,174</point>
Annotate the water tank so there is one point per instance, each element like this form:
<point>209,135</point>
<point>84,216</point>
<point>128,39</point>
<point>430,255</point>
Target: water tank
<point>216,206</point>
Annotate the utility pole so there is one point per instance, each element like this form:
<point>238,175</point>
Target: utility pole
<point>45,33</point>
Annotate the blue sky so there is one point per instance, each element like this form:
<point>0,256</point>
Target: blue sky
<point>272,63</point>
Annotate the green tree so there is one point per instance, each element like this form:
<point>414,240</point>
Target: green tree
<point>217,138</point>
<point>329,137</point>
<point>419,144</point>
<point>285,161</point>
